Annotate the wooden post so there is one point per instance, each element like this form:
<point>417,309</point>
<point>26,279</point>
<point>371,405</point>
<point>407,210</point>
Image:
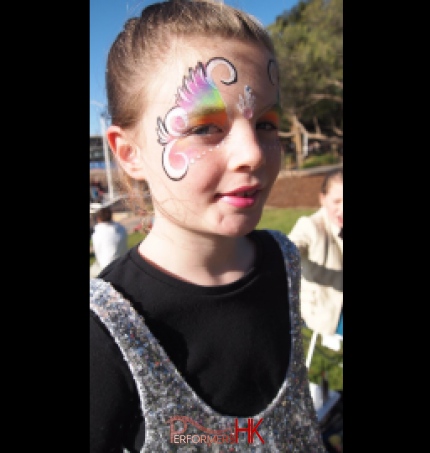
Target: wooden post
<point>297,140</point>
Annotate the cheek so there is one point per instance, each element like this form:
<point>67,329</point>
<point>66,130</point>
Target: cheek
<point>205,174</point>
<point>332,210</point>
<point>272,150</point>
<point>192,153</point>
<point>271,147</point>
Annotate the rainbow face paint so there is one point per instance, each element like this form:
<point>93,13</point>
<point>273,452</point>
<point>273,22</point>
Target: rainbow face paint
<point>272,116</point>
<point>189,130</point>
<point>198,103</point>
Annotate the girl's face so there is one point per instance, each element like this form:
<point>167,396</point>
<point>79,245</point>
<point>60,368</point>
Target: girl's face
<point>333,203</point>
<point>209,139</point>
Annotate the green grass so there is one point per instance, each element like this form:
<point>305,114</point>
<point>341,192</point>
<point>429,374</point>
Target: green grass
<point>134,238</point>
<point>324,159</point>
<point>282,219</point>
<point>324,359</point>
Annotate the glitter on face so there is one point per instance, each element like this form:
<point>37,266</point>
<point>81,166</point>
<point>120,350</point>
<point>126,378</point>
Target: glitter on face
<point>246,103</point>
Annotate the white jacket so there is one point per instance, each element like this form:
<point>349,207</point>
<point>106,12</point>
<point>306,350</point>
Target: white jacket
<point>321,252</point>
<point>109,242</point>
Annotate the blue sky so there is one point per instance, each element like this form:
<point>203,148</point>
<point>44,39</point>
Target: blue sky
<point>107,18</point>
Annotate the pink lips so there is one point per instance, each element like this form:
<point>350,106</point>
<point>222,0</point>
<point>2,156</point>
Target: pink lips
<point>244,197</point>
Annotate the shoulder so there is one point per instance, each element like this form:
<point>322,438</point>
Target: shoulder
<point>309,221</point>
<point>306,228</point>
<point>96,228</point>
<point>302,229</point>
<point>291,256</point>
<point>101,228</point>
<point>100,292</point>
<point>319,218</point>
<point>302,222</point>
<point>99,286</point>
<point>288,248</point>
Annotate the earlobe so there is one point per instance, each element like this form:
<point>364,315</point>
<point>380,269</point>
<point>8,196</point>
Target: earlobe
<point>126,153</point>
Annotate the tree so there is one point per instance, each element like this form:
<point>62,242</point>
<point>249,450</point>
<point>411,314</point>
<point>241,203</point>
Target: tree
<point>309,45</point>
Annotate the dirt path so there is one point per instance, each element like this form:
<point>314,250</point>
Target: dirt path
<point>298,191</point>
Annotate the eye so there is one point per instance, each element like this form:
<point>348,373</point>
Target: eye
<point>207,129</point>
<point>267,126</point>
<point>269,121</point>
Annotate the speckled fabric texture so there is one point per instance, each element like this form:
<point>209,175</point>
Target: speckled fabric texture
<point>288,424</point>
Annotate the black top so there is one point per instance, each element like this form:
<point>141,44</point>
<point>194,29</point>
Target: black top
<point>230,342</point>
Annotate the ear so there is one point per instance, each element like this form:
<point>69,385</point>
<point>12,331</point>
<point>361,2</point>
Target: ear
<point>321,198</point>
<point>126,153</point>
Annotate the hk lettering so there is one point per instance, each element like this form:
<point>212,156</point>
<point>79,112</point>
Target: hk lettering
<point>250,429</point>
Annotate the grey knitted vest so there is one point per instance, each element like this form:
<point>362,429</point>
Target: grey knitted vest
<point>177,420</point>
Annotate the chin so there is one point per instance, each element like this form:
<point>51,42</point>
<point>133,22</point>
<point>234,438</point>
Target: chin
<point>238,227</point>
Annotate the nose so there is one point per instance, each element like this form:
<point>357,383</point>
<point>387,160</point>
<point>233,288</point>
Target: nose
<point>244,150</point>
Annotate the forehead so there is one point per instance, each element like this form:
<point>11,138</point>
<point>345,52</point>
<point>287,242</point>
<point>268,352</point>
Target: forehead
<point>335,189</point>
<point>250,61</point>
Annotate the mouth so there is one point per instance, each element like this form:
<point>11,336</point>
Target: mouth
<point>243,194</point>
<point>243,197</point>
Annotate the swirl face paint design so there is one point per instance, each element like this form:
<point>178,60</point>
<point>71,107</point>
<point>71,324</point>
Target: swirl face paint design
<point>198,102</point>
<point>199,105</point>
<point>272,70</point>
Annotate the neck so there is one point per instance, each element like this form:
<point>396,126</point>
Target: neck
<point>202,259</point>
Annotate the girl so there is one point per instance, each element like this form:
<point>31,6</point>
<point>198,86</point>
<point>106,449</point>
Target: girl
<point>195,333</point>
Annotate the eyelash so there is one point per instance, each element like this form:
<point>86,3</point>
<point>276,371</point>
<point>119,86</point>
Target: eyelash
<point>205,130</point>
<point>267,126</point>
<point>213,129</point>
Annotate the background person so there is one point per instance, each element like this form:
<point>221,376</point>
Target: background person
<point>319,239</point>
<point>97,191</point>
<point>181,324</point>
<point>109,240</point>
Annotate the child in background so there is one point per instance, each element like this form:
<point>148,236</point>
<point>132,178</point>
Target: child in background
<point>200,322</point>
<point>109,239</point>
<point>319,238</point>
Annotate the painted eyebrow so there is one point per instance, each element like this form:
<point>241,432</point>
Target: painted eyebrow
<point>270,108</point>
<point>207,114</point>
<point>206,110</point>
<point>203,112</point>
